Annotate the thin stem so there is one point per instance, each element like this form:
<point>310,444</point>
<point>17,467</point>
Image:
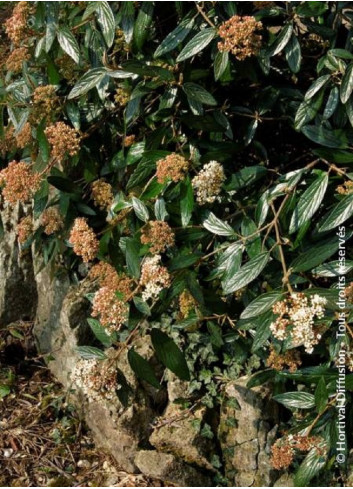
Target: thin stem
<point>286,272</point>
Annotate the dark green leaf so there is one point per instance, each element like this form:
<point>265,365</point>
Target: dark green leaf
<point>186,201</point>
<point>321,395</point>
<point>197,44</point>
<point>142,368</point>
<point>296,400</point>
<point>100,332</point>
<point>89,80</point>
<point>261,304</point>
<point>220,64</point>
<point>106,22</point>
<point>325,137</point>
<point>63,184</point>
<point>88,352</point>
<point>293,54</point>
<point>142,24</point>
<point>68,43</point>
<point>140,209</point>
<point>281,41</point>
<point>198,93</point>
<point>312,463</point>
<point>175,37</point>
<point>309,203</point>
<point>342,211</point>
<point>246,274</point>
<point>217,226</point>
<point>169,354</point>
<point>346,87</point>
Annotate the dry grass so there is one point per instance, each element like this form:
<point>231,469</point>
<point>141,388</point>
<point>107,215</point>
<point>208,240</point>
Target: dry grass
<point>43,440</point>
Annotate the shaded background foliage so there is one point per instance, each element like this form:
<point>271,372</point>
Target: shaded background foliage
<point>138,81</point>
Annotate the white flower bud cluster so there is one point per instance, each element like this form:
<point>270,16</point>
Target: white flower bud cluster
<point>96,378</point>
<point>297,318</point>
<point>208,183</point>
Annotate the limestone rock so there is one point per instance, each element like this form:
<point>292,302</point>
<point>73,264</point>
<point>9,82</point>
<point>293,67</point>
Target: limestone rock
<point>286,480</point>
<point>246,432</point>
<point>18,294</point>
<point>179,433</point>
<point>169,469</point>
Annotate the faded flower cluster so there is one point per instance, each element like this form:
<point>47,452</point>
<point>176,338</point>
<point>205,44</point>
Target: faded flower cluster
<point>45,102</point>
<point>278,361</point>
<point>16,58</point>
<point>284,450</point>
<point>154,277</point>
<point>16,26</point>
<point>159,235</point>
<point>97,379</point>
<point>52,220</point>
<point>121,97</point>
<point>208,183</point>
<point>186,303</point>
<point>24,137</point>
<point>346,188</point>
<point>172,167</point>
<point>296,317</point>
<point>24,229</point>
<point>239,36</point>
<point>102,193</point>
<point>19,182</point>
<point>84,240</point>
<point>63,139</point>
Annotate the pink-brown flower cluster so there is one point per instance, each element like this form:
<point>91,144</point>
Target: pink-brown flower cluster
<point>107,276</point>
<point>63,139</point>
<point>172,167</point>
<point>102,193</point>
<point>83,239</point>
<point>239,36</point>
<point>52,220</point>
<point>16,26</point>
<point>24,229</point>
<point>111,310</point>
<point>159,235</point>
<point>15,60</point>
<point>19,182</point>
<point>186,303</point>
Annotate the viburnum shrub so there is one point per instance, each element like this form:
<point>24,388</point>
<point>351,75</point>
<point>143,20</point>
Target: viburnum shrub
<point>196,157</point>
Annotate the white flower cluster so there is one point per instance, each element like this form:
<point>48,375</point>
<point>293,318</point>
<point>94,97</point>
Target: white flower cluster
<point>154,277</point>
<point>296,319</point>
<point>97,379</point>
<point>208,183</point>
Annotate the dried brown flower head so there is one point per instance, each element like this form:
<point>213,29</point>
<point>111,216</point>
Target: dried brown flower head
<point>121,97</point>
<point>19,182</point>
<point>16,26</point>
<point>208,183</point>
<point>278,361</point>
<point>346,188</point>
<point>84,240</point>
<point>282,456</point>
<point>7,141</point>
<point>129,140</point>
<point>158,235</point>
<point>107,276</point>
<point>24,229</point>
<point>45,103</point>
<point>285,448</point>
<point>63,139</point>
<point>154,277</point>
<point>15,60</point>
<point>239,36</point>
<point>24,137</point>
<point>172,167</point>
<point>102,194</point>
<point>52,220</point>
<point>186,303</point>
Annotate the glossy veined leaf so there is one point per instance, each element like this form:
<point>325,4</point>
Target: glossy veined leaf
<point>246,274</point>
<point>342,211</point>
<point>197,44</point>
<point>170,354</point>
